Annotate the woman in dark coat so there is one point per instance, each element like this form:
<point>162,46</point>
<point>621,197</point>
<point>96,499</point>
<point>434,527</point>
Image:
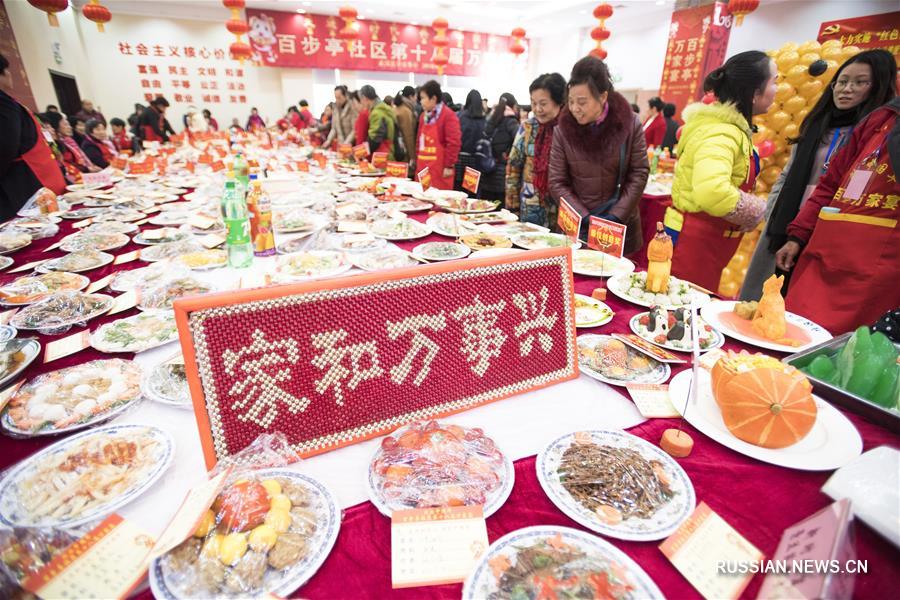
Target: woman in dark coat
<point>501,129</point>
<point>471,124</point>
<point>598,161</point>
<point>96,144</point>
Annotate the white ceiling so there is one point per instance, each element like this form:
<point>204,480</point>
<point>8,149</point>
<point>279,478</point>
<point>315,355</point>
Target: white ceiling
<point>538,17</point>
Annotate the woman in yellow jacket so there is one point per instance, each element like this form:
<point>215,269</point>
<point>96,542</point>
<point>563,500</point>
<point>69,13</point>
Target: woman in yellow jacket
<point>712,203</point>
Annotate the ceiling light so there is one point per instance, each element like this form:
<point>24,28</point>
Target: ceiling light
<point>300,11</point>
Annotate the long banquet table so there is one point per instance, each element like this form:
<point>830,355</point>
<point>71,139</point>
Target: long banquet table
<point>758,499</point>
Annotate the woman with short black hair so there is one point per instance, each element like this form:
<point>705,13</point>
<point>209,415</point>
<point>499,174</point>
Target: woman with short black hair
<point>96,144</point>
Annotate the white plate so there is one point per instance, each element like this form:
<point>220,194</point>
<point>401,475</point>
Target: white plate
<point>284,273</point>
<point>471,206</point>
<point>78,242</point>
<point>9,500</point>
<point>712,314</point>
<point>481,582</point>
<point>173,238</point>
<point>443,224</point>
<point>494,500</point>
<point>5,261</point>
<point>7,332</point>
<point>319,546</point>
<point>434,194</point>
<point>30,347</point>
<point>149,384</point>
<point>659,525</point>
<point>659,373</point>
<point>609,265</point>
<point>428,249</point>
<point>103,259</point>
<point>597,314</point>
<point>105,303</point>
<point>538,241</point>
<point>718,340</point>
<point>161,322</point>
<point>415,231</point>
<point>495,252</point>
<point>620,284</point>
<point>832,442</point>
<point>386,258</point>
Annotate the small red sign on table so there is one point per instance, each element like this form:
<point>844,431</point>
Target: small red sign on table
<point>308,361</point>
<point>361,151</point>
<point>380,160</point>
<point>424,177</point>
<point>471,177</point>
<point>607,236</point>
<point>396,169</point>
<point>345,150</point>
<point>568,220</point>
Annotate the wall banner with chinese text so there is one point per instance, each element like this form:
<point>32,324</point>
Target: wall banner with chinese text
<point>698,41</point>
<point>286,39</point>
<point>869,32</point>
<point>333,362</point>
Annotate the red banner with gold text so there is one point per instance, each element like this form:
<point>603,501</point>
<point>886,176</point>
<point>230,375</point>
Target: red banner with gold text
<point>283,39</point>
<point>698,41</point>
<point>868,32</point>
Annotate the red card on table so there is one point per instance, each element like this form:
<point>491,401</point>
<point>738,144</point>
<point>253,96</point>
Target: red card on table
<point>118,163</point>
<point>607,236</point>
<point>380,160</point>
<point>568,220</point>
<point>303,166</point>
<point>293,358</point>
<point>205,159</point>
<point>217,166</point>
<point>396,169</point>
<point>471,177</point>
<point>345,150</point>
<point>361,151</point>
<point>424,177</point>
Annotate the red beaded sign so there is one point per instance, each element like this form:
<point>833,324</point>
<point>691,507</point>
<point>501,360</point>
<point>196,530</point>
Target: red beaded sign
<point>333,362</point>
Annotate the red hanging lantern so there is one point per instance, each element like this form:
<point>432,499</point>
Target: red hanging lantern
<point>237,26</point>
<point>440,42</point>
<point>600,33</point>
<point>51,7</point>
<point>740,8</point>
<point>516,46</point>
<point>350,31</point>
<point>97,13</point>
<point>240,51</point>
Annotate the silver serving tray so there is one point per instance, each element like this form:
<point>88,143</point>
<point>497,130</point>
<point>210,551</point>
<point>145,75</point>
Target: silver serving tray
<point>867,409</point>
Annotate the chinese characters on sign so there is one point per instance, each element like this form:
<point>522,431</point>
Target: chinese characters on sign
<point>607,236</point>
<point>868,33</point>
<point>202,75</point>
<point>282,39</point>
<point>331,367</point>
<point>568,219</point>
<point>698,38</point>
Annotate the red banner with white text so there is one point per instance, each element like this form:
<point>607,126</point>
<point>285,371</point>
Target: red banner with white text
<point>282,39</point>
<point>869,32</point>
<point>698,41</point>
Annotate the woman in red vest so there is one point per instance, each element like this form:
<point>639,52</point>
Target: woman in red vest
<point>439,139</point>
<point>848,272</point>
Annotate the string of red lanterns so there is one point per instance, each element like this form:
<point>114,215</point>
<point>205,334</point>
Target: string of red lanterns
<point>600,33</point>
<point>741,8</point>
<point>440,42</point>
<point>517,47</point>
<point>350,31</point>
<point>51,7</point>
<point>97,13</point>
<point>239,50</point>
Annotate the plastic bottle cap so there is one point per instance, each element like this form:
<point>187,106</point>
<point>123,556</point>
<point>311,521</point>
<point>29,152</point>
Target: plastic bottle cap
<point>229,185</point>
<point>252,176</point>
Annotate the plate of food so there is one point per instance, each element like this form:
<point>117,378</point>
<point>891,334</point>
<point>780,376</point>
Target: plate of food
<point>34,288</point>
<point>590,312</point>
<point>485,241</point>
<point>5,261</point>
<point>7,332</point>
<point>10,241</point>
<point>163,235</point>
<point>73,398</point>
<point>167,383</point>
<point>438,251</point>
<point>61,310</point>
<point>119,214</point>
<point>311,265</point>
<point>88,240</point>
<point>76,262</point>
<point>611,361</point>
<point>161,297</point>
<point>58,486</point>
<point>616,484</point>
<point>449,225</point>
<point>204,260</point>
<point>466,205</point>
<point>145,277</point>
<point>765,409</point>
<point>592,263</point>
<point>499,216</point>
<point>772,329</point>
<point>295,221</point>
<point>354,243</point>
<point>538,241</point>
<point>107,227</point>
<point>633,288</point>
<point>266,534</point>
<point>26,552</point>
<point>170,218</point>
<point>431,464</point>
<point>549,561</point>
<point>380,260</point>
<point>170,250</point>
<point>292,246</point>
<point>137,333</point>
<point>15,356</point>
<point>409,206</point>
<point>512,229</point>
<point>671,329</point>
<point>402,229</point>
<point>83,213</point>
<point>434,194</point>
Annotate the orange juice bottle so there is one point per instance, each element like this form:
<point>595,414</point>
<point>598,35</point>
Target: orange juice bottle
<point>260,208</point>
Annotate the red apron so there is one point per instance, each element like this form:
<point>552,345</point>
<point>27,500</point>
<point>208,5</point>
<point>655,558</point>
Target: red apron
<point>847,275</point>
<point>706,243</point>
<point>42,163</point>
<point>431,154</point>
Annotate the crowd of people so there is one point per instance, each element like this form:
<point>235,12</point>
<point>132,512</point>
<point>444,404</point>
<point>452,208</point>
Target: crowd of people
<point>582,142</point>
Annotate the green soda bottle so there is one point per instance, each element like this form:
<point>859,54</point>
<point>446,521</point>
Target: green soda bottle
<point>237,224</point>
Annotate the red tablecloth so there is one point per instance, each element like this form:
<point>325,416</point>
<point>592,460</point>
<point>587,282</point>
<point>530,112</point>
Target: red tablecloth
<point>758,499</point>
